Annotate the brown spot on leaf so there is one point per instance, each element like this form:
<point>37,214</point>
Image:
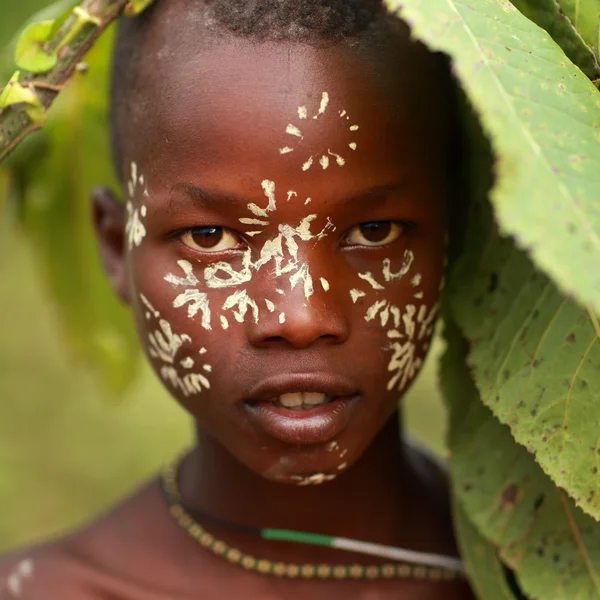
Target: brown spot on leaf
<point>510,496</point>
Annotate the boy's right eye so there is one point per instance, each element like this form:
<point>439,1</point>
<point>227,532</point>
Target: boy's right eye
<point>210,239</point>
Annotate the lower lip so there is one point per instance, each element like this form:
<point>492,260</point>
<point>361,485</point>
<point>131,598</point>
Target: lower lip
<point>303,427</point>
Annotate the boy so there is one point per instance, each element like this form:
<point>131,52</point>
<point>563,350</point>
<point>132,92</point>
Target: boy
<point>283,249</point>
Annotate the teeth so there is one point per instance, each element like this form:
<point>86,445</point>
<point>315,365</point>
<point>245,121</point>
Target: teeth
<point>291,400</point>
<point>314,398</point>
<point>299,399</point>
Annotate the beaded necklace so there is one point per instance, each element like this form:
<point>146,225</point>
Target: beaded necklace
<point>407,563</point>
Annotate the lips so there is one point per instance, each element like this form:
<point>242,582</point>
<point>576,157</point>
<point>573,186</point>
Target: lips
<point>302,408</point>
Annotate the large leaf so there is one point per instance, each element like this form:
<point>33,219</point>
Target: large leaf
<point>57,216</point>
<point>543,117</point>
<point>534,356</point>
<point>549,16</point>
<point>585,16</point>
<point>487,575</point>
<point>552,546</point>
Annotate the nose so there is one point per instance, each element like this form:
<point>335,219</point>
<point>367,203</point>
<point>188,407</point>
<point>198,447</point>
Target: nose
<point>300,322</point>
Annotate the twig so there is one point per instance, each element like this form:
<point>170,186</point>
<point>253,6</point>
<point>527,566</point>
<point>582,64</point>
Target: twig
<point>70,43</point>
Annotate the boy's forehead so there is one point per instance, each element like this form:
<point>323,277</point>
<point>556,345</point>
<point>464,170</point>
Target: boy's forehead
<point>246,103</point>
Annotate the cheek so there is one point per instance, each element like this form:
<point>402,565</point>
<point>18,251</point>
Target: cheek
<point>399,303</point>
<point>186,353</point>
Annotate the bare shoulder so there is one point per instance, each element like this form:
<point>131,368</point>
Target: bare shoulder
<point>113,557</point>
<point>40,573</point>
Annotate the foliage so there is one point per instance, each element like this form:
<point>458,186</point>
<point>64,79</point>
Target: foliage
<point>50,181</point>
<point>524,292</point>
<point>521,372</point>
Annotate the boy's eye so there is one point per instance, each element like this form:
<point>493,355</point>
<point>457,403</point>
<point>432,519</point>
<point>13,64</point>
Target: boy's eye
<point>210,239</point>
<point>377,233</point>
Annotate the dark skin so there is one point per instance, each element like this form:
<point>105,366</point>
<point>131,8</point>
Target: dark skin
<point>356,477</point>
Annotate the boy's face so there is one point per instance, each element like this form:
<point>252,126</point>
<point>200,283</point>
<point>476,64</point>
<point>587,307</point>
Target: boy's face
<point>285,245</point>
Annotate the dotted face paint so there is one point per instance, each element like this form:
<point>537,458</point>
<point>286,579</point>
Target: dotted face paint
<point>324,160</point>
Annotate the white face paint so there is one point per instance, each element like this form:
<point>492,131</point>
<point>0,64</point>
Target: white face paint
<point>401,325</point>
<point>324,160</point>
<point>166,346</point>
<point>135,230</point>
<point>19,576</point>
<point>356,294</point>
<point>316,479</point>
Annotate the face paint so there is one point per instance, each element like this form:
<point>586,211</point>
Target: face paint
<point>316,479</point>
<point>164,345</point>
<point>323,160</point>
<point>323,106</point>
<point>356,294</point>
<point>243,302</point>
<point>404,363</point>
<point>135,230</point>
<point>407,262</point>
<point>368,277</point>
<point>18,577</point>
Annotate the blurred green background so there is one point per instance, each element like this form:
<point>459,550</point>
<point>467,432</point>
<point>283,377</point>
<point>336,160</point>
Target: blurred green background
<point>68,449</point>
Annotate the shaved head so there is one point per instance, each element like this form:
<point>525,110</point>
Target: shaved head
<point>174,30</point>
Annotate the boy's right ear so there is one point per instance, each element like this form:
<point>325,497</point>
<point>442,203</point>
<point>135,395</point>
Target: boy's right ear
<point>109,218</point>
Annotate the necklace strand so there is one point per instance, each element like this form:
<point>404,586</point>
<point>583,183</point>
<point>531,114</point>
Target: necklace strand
<point>408,563</point>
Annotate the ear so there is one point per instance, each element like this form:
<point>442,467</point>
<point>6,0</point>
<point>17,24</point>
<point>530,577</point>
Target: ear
<point>109,218</point>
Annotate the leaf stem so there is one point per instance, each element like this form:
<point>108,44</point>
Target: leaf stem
<point>70,43</point>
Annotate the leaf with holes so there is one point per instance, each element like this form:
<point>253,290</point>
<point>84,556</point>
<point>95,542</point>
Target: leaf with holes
<point>542,115</point>
<point>552,546</point>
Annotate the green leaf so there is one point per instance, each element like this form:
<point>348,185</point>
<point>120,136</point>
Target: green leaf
<point>15,93</point>
<point>552,546</point>
<point>534,356</point>
<point>543,118</point>
<point>549,16</point>
<point>585,16</point>
<point>57,218</point>
<point>486,573</point>
<point>30,54</point>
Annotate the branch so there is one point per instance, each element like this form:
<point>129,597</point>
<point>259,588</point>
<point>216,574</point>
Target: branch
<point>24,103</point>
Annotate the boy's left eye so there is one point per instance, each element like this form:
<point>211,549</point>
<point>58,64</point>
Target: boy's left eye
<point>377,233</point>
<point>210,239</point>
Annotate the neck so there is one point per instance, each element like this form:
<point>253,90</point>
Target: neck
<point>370,501</point>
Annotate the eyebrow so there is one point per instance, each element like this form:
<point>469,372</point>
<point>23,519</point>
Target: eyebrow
<point>207,197</point>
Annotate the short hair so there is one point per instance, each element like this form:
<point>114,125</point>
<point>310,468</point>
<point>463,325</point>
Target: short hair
<point>307,21</point>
